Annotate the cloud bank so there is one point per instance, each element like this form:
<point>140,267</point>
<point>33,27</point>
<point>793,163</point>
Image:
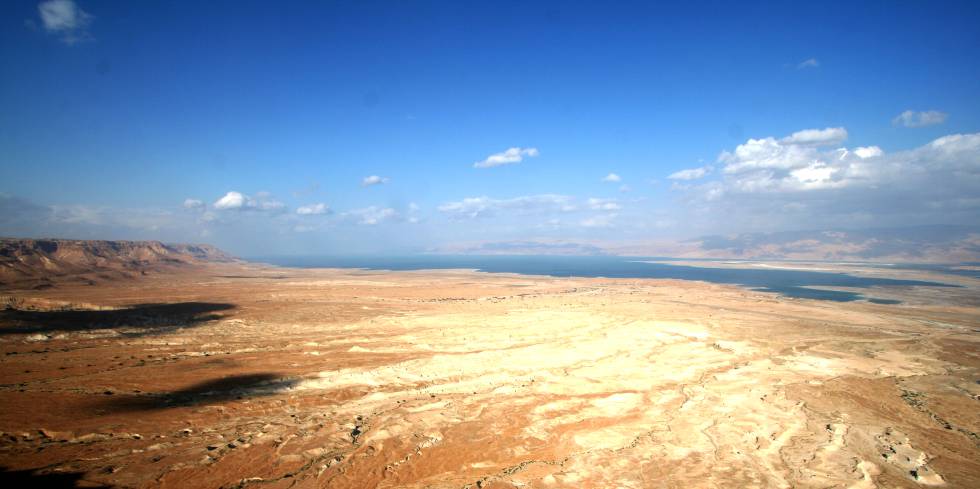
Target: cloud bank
<point>806,181</point>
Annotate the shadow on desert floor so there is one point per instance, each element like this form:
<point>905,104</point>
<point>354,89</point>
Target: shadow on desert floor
<point>147,318</point>
<point>41,478</point>
<point>213,391</point>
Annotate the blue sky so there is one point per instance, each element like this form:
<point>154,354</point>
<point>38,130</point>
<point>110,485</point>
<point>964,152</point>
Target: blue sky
<point>134,120</point>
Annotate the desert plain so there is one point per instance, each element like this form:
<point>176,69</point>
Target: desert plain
<point>242,375</point>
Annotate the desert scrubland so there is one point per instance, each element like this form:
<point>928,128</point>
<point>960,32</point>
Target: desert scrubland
<point>238,375</point>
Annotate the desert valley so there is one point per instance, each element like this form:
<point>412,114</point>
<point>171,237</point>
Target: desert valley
<point>143,365</point>
<point>471,245</point>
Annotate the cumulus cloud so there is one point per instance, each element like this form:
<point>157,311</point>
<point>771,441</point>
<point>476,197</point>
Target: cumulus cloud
<point>911,118</point>
<point>64,18</point>
<point>508,157</point>
<point>612,178</point>
<point>690,173</point>
<point>808,63</point>
<point>193,204</point>
<point>794,181</point>
<point>313,209</point>
<point>868,152</point>
<point>474,207</point>
<point>231,200</point>
<point>794,162</point>
<point>262,201</point>
<point>373,180</point>
<point>789,153</point>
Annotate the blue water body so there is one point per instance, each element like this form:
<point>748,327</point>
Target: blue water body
<point>792,283</point>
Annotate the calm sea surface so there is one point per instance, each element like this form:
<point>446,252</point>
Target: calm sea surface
<point>792,283</point>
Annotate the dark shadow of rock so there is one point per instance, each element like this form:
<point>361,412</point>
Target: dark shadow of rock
<point>213,391</point>
<point>43,478</point>
<point>147,318</point>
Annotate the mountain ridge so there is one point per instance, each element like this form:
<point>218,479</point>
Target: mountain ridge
<point>39,262</point>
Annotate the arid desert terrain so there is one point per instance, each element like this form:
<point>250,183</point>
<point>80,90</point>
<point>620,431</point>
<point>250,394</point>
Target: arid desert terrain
<point>251,376</point>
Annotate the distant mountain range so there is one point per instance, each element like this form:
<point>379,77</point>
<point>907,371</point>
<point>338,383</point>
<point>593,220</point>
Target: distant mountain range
<point>41,262</point>
<point>946,244</point>
<point>919,244</point>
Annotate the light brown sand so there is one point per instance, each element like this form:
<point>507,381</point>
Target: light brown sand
<point>319,378</point>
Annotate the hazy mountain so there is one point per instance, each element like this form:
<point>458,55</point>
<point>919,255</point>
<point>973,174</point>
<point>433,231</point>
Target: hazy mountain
<point>908,244</point>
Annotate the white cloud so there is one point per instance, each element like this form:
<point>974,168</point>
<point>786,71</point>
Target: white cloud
<point>612,178</point>
<point>231,200</point>
<point>793,162</point>
<point>868,152</point>
<point>808,63</point>
<point>911,118</point>
<point>817,137</point>
<point>370,216</point>
<point>313,209</point>
<point>193,204</point>
<point>262,201</point>
<point>508,157</point>
<point>66,19</point>
<point>625,188</point>
<point>373,180</point>
<point>797,150</point>
<point>791,181</point>
<point>690,173</point>
<point>473,207</point>
<point>600,221</point>
<point>814,175</point>
<point>602,204</point>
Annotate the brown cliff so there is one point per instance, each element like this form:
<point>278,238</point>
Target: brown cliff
<point>39,263</point>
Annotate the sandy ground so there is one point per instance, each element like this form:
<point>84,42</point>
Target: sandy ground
<point>244,376</point>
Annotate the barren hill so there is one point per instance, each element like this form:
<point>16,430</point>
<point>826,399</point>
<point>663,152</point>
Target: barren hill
<point>41,262</point>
